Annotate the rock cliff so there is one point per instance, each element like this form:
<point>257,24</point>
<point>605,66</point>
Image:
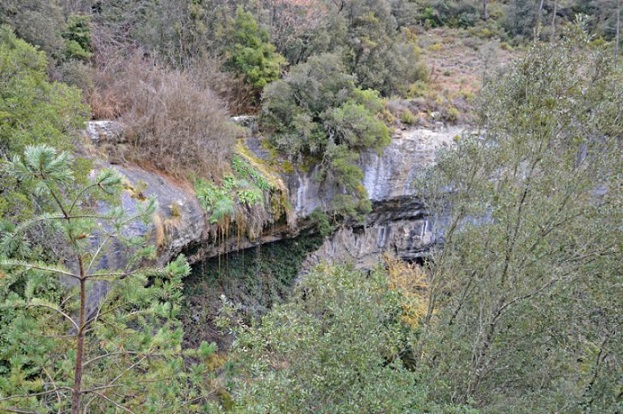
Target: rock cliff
<point>397,223</point>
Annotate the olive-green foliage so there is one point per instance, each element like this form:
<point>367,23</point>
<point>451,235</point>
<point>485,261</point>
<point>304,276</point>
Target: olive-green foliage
<point>177,31</point>
<point>437,13</point>
<point>39,22</point>
<point>377,51</point>
<point>32,111</point>
<point>250,53</point>
<point>526,309</point>
<point>181,32</point>
<point>603,13</point>
<point>256,278</point>
<point>53,26</point>
<point>89,290</point>
<point>320,221</point>
<point>373,46</point>
<point>335,347</point>
<point>520,18</point>
<point>317,111</point>
<point>77,37</point>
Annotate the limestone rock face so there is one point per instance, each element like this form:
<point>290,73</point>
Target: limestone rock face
<point>398,222</point>
<point>179,220</point>
<point>391,174</point>
<point>105,131</point>
<point>386,176</point>
<point>399,226</point>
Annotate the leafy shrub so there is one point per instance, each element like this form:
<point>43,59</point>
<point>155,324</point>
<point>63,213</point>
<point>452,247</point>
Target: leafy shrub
<point>417,89</point>
<point>520,18</point>
<point>407,117</point>
<point>451,13</point>
<point>316,111</point>
<point>40,23</point>
<point>32,111</point>
<point>320,221</point>
<point>451,115</point>
<point>340,326</point>
<point>548,133</point>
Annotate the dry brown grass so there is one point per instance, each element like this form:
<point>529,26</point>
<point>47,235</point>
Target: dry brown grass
<point>458,62</point>
<point>174,121</point>
<point>459,66</point>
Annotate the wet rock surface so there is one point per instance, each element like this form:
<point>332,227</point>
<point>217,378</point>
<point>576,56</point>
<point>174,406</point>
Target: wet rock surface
<point>398,222</point>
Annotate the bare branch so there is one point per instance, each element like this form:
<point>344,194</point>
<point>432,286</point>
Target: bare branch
<point>121,407</point>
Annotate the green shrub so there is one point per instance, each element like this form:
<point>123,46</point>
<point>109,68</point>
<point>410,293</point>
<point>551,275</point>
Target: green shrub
<point>320,221</point>
<point>417,89</point>
<point>407,117</point>
<point>317,112</point>
<point>251,54</point>
<point>335,347</point>
<point>32,111</point>
<point>38,22</point>
<point>449,13</point>
<point>451,115</point>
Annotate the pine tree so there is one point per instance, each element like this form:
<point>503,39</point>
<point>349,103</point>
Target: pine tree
<point>84,326</point>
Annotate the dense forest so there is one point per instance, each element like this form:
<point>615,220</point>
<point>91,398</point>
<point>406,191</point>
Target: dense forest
<point>517,308</point>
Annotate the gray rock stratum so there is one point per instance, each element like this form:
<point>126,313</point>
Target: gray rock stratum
<point>398,222</point>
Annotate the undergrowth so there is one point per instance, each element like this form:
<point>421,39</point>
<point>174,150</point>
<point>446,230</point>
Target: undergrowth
<point>174,121</point>
<point>257,278</point>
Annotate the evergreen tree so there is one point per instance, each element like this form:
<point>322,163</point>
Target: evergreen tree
<point>250,53</point>
<point>83,325</point>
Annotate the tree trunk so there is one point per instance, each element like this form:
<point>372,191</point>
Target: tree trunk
<point>618,35</point>
<point>539,14</point>
<point>485,12</point>
<point>554,22</point>
<point>77,391</point>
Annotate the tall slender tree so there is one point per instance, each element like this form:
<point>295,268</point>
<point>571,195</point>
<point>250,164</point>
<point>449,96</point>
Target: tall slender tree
<point>525,312</point>
<point>84,327</point>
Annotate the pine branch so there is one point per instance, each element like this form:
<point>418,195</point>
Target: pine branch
<point>38,266</point>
